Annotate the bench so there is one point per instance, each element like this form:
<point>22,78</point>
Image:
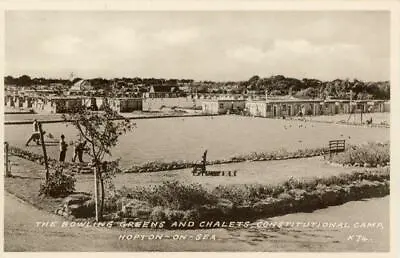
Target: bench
<point>336,146</point>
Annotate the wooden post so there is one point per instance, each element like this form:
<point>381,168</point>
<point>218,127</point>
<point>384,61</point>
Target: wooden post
<point>8,170</point>
<point>204,162</point>
<point>44,150</point>
<point>96,193</point>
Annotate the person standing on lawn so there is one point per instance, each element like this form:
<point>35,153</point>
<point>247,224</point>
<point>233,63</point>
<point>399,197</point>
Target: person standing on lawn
<point>63,148</point>
<point>35,136</point>
<point>78,152</point>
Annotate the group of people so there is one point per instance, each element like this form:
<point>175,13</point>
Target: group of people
<point>79,147</point>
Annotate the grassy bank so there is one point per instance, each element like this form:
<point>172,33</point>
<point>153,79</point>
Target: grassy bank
<point>174,201</point>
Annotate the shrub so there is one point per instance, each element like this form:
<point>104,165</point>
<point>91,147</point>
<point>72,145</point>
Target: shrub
<point>247,194</point>
<point>236,194</point>
<point>192,215</point>
<point>112,204</point>
<point>158,214</point>
<point>173,195</point>
<point>58,184</point>
<point>174,215</point>
<point>250,194</point>
<point>373,154</point>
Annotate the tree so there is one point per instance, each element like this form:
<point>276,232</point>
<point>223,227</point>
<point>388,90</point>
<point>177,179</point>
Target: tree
<point>307,93</point>
<point>9,80</point>
<point>101,131</point>
<point>75,80</point>
<point>24,80</point>
<point>253,80</point>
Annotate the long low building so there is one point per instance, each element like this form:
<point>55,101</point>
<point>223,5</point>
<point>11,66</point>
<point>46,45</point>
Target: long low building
<point>288,106</point>
<point>18,101</point>
<point>58,104</point>
<point>223,106</point>
<point>312,107</point>
<point>281,108</point>
<point>126,105</point>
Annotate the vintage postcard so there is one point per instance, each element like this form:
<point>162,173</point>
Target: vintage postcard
<point>183,127</point>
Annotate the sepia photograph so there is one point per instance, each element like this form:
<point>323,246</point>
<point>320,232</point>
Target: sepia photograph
<point>197,130</point>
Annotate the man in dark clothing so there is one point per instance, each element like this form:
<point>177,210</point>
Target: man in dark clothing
<point>63,148</point>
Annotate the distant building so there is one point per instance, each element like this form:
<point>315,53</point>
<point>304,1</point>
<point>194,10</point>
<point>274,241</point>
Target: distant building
<point>386,106</point>
<point>9,100</point>
<point>222,106</point>
<point>336,106</point>
<point>163,92</point>
<point>79,87</point>
<point>289,106</point>
<point>28,101</point>
<point>56,105</point>
<point>90,103</point>
<point>126,105</point>
<point>18,101</point>
<point>283,107</point>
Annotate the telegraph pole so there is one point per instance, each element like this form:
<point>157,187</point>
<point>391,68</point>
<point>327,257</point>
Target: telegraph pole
<point>44,151</point>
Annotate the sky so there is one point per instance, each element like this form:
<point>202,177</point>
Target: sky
<point>200,45</point>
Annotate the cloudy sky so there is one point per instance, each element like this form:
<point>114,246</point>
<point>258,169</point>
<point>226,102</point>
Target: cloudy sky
<point>199,45</point>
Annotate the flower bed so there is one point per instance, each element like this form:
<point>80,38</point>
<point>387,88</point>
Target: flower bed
<point>282,154</point>
<point>154,166</point>
<point>28,155</point>
<point>38,158</point>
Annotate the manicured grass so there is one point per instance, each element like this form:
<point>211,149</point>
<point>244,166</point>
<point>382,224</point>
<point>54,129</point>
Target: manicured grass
<point>186,139</point>
<point>377,118</point>
<point>27,189</point>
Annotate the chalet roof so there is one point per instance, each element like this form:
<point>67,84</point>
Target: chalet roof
<point>80,85</point>
<point>224,100</point>
<point>286,100</point>
<point>64,98</point>
<point>126,98</point>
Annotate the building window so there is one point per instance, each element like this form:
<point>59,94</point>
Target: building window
<point>221,105</point>
<point>283,107</point>
<point>269,108</point>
